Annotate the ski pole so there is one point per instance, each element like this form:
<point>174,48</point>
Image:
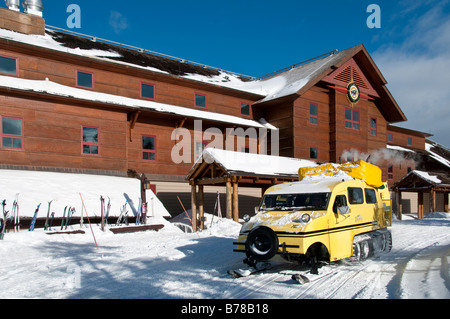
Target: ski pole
<point>92,231</point>
<point>187,215</point>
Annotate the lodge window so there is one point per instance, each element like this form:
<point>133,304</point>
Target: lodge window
<point>313,113</point>
<point>355,195</point>
<point>8,65</point>
<point>12,133</point>
<point>390,172</point>
<point>390,137</point>
<point>352,119</point>
<point>199,148</point>
<point>147,91</point>
<point>313,153</point>
<point>409,141</point>
<point>149,148</point>
<point>200,100</point>
<point>90,140</point>
<point>245,109</point>
<point>373,126</point>
<point>85,79</point>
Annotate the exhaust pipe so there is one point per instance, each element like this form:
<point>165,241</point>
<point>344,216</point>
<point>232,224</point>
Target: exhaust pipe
<point>33,7</point>
<point>13,5</point>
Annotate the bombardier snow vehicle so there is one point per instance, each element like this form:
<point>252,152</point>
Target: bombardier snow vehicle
<point>334,212</point>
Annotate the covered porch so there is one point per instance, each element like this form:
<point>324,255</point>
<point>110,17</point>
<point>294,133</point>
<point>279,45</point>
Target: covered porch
<point>234,169</point>
<point>429,186</point>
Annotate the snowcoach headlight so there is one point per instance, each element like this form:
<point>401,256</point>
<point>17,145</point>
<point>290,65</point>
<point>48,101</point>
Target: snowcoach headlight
<point>306,218</point>
<point>246,218</point>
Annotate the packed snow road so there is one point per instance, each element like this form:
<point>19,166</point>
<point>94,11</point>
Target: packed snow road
<point>172,264</point>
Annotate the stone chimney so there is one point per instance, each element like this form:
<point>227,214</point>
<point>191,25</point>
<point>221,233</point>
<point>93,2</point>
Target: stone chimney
<point>21,22</point>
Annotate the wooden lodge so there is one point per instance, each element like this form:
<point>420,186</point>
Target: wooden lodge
<point>72,103</point>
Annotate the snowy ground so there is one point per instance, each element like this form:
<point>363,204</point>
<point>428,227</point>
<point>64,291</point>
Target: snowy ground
<point>173,264</point>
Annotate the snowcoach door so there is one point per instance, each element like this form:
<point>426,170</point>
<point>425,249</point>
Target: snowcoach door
<point>340,237</point>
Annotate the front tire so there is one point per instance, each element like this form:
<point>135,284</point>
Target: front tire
<point>262,244</point>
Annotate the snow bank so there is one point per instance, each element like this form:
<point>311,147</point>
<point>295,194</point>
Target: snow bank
<point>64,189</point>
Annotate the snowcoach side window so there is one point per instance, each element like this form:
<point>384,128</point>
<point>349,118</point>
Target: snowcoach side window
<point>355,195</point>
<point>11,130</point>
<point>340,201</point>
<point>90,140</point>
<point>371,197</point>
<point>8,65</point>
<point>149,148</point>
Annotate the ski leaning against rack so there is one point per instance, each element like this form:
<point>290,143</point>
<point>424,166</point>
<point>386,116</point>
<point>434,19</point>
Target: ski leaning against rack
<point>51,221</point>
<point>70,213</point>
<point>123,213</point>
<point>15,217</point>
<point>33,221</point>
<point>63,218</point>
<point>5,215</point>
<point>48,215</point>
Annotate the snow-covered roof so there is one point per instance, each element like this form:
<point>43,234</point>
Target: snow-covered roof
<point>277,86</point>
<point>430,148</point>
<point>441,179</point>
<point>399,148</point>
<point>253,164</point>
<point>432,178</point>
<point>56,89</point>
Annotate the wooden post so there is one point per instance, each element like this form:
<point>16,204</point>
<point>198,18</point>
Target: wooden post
<point>433,200</point>
<point>446,202</point>
<point>420,205</point>
<point>201,198</point>
<point>235,201</point>
<point>399,205</point>
<point>194,206</point>
<point>229,200</point>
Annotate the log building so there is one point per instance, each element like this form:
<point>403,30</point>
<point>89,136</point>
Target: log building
<point>74,103</point>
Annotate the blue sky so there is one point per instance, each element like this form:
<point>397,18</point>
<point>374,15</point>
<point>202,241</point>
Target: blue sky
<point>256,37</point>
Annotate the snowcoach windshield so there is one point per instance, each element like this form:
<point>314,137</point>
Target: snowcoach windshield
<point>313,201</point>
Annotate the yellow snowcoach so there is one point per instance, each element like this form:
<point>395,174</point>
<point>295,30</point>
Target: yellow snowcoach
<point>333,212</point>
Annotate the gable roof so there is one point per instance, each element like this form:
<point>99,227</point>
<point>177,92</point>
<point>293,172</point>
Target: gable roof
<point>300,79</point>
<point>421,180</point>
<point>248,164</point>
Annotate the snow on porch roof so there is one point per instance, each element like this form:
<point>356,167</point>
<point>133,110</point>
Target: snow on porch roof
<point>239,163</point>
<point>55,89</point>
<point>430,178</point>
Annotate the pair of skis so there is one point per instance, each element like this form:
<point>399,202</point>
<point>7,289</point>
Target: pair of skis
<point>67,219</point>
<point>12,218</point>
<point>5,216</point>
<point>123,214</point>
<point>301,277</point>
<point>104,212</point>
